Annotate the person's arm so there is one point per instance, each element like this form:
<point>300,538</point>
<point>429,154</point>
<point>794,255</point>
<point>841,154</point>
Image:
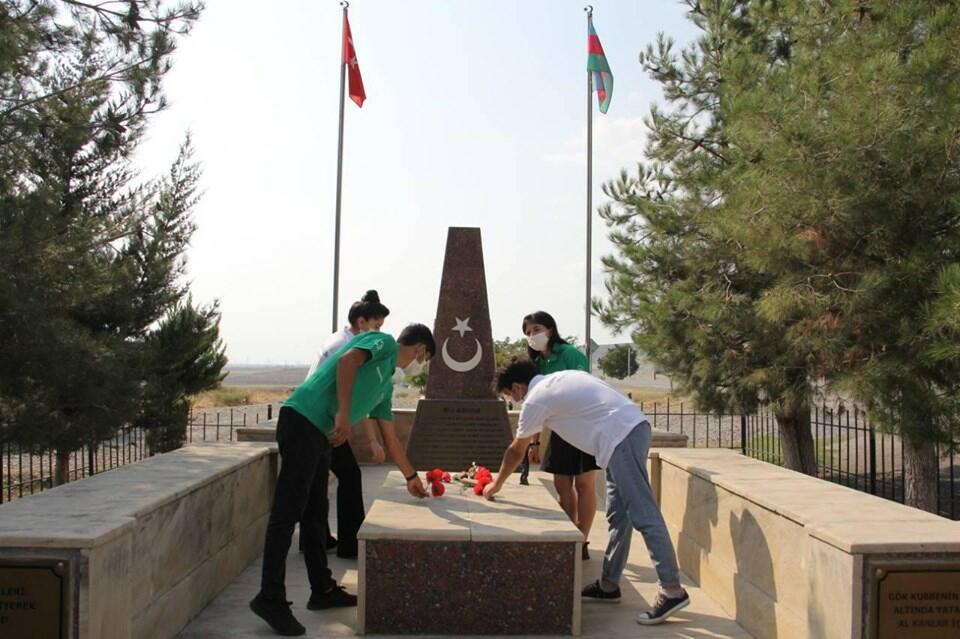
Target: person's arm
<point>533,452</point>
<point>399,457</point>
<point>511,459</point>
<point>530,424</point>
<point>347,367</point>
<point>375,448</point>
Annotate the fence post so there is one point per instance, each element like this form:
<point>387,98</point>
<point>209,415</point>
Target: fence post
<point>743,434</point>
<point>269,411</point>
<point>90,460</point>
<point>873,460</point>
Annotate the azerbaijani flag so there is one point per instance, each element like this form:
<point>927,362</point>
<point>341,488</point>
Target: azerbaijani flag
<point>597,64</point>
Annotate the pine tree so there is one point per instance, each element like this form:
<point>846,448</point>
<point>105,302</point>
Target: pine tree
<point>849,199</point>
<point>678,280</point>
<point>91,257</point>
<point>184,356</point>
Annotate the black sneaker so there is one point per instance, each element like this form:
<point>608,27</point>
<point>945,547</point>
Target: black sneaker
<point>336,597</point>
<point>593,592</point>
<point>278,615</point>
<point>584,555</point>
<point>663,607</point>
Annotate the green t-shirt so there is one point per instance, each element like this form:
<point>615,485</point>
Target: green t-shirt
<point>563,357</point>
<point>316,398</point>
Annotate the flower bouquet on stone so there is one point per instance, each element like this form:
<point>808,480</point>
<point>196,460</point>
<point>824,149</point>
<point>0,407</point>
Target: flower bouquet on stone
<point>476,476</point>
<point>437,478</point>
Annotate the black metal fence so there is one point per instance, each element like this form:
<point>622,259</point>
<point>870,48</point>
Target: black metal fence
<point>23,473</point>
<point>849,451</point>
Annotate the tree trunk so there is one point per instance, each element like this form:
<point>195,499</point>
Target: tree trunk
<point>797,441</point>
<point>61,472</point>
<point>921,474</point>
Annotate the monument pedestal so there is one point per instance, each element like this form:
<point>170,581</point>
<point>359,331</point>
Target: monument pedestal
<point>451,434</point>
<point>462,565</point>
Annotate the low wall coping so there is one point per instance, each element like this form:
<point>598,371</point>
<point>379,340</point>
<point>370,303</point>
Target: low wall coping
<point>519,513</point>
<point>91,512</point>
<point>852,521</point>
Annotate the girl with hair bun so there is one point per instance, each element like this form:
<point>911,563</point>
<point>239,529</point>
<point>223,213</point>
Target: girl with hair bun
<point>367,314</point>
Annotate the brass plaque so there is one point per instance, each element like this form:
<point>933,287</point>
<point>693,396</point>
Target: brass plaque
<point>919,600</point>
<point>33,598</point>
<point>450,434</point>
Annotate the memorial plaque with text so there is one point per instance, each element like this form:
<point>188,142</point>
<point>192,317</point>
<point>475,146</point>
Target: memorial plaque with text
<point>919,600</point>
<point>451,434</point>
<point>34,598</point>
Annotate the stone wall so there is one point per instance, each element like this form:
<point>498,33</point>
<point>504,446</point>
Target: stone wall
<point>150,544</point>
<point>785,554</point>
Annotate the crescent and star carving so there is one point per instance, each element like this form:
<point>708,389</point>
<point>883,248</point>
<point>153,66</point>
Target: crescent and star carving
<point>462,327</point>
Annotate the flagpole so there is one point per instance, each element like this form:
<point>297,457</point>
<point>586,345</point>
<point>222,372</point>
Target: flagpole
<point>336,235</point>
<point>586,348</point>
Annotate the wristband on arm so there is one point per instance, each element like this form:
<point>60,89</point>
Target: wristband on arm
<point>413,476</point>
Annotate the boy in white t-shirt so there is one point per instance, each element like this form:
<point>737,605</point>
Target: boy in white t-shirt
<point>597,419</point>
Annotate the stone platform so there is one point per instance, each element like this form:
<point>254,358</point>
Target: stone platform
<point>228,617</point>
<point>460,564</point>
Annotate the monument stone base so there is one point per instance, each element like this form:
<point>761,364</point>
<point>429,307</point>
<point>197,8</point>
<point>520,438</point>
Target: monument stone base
<point>462,565</point>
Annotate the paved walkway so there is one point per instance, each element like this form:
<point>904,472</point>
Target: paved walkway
<point>228,617</point>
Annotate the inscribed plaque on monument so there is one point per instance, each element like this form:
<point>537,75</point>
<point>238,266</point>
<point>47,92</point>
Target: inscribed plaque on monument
<point>33,598</point>
<point>461,420</point>
<point>455,433</point>
<point>919,600</point>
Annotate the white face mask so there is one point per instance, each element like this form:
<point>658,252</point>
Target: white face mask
<point>538,341</point>
<point>413,368</point>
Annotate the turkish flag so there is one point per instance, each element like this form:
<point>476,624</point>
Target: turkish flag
<point>355,91</point>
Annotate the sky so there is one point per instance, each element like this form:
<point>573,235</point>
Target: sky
<point>475,116</point>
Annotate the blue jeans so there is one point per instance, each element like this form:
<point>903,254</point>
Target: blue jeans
<point>630,504</point>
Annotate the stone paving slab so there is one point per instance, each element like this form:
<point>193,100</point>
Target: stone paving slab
<point>228,617</point>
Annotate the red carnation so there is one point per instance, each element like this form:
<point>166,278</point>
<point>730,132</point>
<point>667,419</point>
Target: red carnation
<point>434,475</point>
<point>446,478</point>
<point>437,488</point>
<point>482,480</point>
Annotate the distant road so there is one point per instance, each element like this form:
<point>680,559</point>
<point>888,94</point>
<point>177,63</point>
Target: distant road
<point>265,376</point>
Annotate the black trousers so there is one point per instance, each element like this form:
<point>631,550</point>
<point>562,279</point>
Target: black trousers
<point>350,510</point>
<point>300,495</point>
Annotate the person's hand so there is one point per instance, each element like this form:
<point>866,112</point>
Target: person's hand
<point>533,454</point>
<point>376,451</point>
<point>341,430</point>
<point>415,487</point>
<point>490,490</point>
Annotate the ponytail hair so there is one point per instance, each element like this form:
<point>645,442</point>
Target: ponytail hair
<point>369,308</point>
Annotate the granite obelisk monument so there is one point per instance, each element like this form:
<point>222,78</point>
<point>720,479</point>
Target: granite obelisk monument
<point>461,420</point>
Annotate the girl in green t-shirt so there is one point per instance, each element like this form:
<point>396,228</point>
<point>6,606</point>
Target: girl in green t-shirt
<point>572,469</point>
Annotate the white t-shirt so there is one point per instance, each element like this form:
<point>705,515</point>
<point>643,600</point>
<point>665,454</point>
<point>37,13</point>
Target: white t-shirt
<point>333,344</point>
<point>585,411</point>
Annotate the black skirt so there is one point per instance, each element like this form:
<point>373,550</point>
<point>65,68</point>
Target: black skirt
<point>562,458</point>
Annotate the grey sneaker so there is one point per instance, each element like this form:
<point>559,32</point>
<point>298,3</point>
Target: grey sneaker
<point>663,607</point>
